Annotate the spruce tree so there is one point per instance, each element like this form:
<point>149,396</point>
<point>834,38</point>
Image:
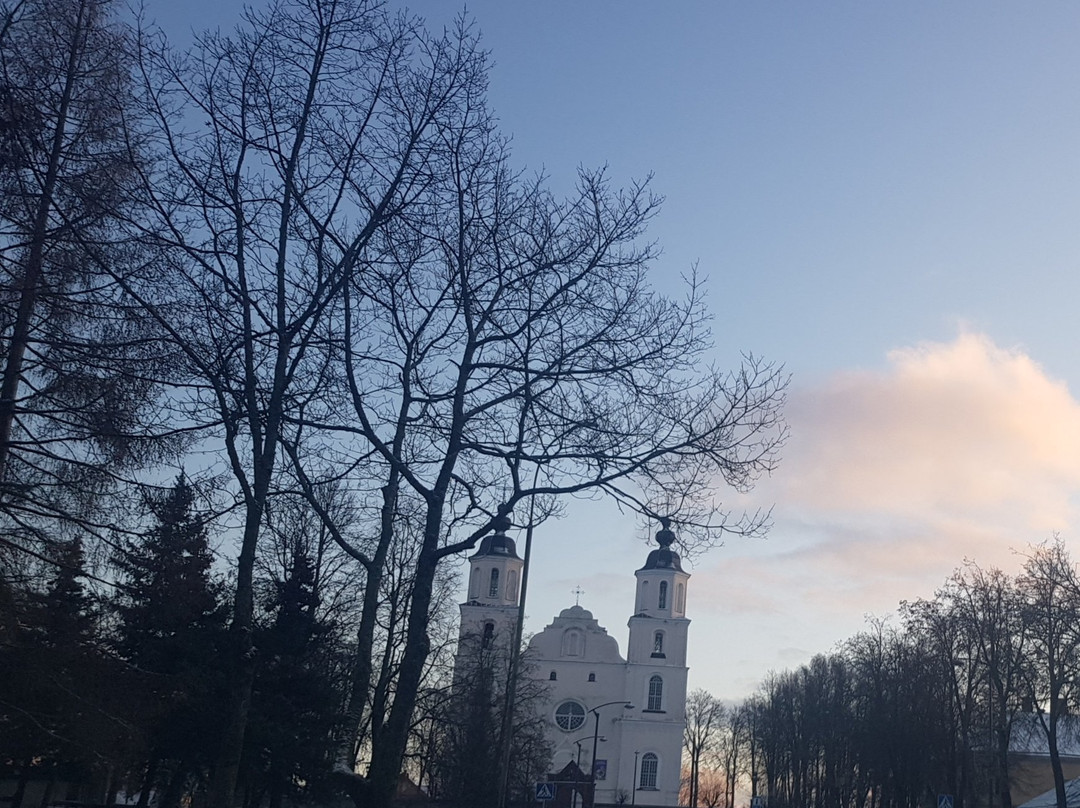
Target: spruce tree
<point>295,702</point>
<point>170,629</point>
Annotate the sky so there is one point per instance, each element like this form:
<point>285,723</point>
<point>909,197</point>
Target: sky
<point>885,199</point>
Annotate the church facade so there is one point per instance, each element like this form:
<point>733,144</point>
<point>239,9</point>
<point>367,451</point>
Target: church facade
<point>632,708</point>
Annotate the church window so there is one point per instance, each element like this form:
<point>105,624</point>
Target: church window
<point>493,587</point>
<point>553,676</point>
<point>650,763</point>
<point>680,605</point>
<point>656,694</point>
<point>569,716</point>
<point>474,588</point>
<point>644,596</point>
<point>658,644</point>
<point>592,677</point>
<point>511,585</point>
<point>572,643</point>
<point>661,602</point>
<point>489,635</point>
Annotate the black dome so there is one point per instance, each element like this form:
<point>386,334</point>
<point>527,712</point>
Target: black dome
<point>496,544</point>
<point>664,558</point>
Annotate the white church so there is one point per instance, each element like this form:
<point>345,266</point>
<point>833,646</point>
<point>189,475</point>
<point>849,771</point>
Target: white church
<point>634,707</point>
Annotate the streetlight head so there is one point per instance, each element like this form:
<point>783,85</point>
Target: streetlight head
<point>628,706</point>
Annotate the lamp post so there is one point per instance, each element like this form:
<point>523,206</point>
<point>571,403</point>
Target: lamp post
<point>578,743</point>
<point>596,736</point>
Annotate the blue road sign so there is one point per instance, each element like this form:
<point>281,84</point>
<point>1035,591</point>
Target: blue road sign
<point>545,792</point>
<point>944,801</point>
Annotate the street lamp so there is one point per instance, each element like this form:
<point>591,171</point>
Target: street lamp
<point>578,743</point>
<point>577,784</point>
<point>596,736</point>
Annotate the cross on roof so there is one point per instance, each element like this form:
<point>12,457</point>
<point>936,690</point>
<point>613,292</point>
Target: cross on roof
<point>577,592</point>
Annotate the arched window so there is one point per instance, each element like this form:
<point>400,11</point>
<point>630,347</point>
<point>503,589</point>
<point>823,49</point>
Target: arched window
<point>650,764</point>
<point>474,585</point>
<point>493,588</point>
<point>489,635</point>
<point>553,676</point>
<point>644,602</point>
<point>680,604</point>
<point>511,585</point>
<point>661,601</point>
<point>656,693</point>
<point>572,643</point>
<point>658,644</point>
<point>592,677</point>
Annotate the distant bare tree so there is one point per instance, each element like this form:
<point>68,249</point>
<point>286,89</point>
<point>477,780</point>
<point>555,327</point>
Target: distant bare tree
<point>704,723</point>
<point>1049,588</point>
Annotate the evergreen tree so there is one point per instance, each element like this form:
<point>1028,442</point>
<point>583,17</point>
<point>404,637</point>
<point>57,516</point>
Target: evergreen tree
<point>67,708</point>
<point>294,702</point>
<point>170,629</point>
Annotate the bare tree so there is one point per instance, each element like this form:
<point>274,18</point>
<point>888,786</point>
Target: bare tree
<point>988,604</point>
<point>76,384</point>
<point>285,148</point>
<point>704,724</point>
<point>517,338</point>
<point>1050,592</point>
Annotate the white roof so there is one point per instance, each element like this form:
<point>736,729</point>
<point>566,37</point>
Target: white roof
<point>1049,799</point>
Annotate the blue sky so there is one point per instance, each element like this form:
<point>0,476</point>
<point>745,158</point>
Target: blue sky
<point>885,197</point>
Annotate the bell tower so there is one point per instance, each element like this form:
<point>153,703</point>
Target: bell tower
<point>490,612</point>
<point>659,626</point>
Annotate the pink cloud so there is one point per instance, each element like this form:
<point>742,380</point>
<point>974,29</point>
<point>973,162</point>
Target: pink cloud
<point>892,478</point>
<point>965,428</point>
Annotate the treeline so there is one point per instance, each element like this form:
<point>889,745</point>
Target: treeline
<point>296,262</point>
<point>926,704</point>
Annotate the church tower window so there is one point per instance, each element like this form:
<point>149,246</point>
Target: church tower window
<point>489,635</point>
<point>474,587</point>
<point>656,694</point>
<point>658,644</point>
<point>650,763</point>
<point>680,605</point>
<point>661,602</point>
<point>553,676</point>
<point>512,585</point>
<point>493,588</point>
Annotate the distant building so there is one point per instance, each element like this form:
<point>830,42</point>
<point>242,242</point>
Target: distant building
<point>638,747</point>
<point>1031,780</point>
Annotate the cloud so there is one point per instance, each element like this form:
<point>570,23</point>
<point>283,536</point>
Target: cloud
<point>958,428</point>
<point>892,478</point>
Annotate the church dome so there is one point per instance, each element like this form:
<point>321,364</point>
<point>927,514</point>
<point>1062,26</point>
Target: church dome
<point>663,558</point>
<point>496,544</point>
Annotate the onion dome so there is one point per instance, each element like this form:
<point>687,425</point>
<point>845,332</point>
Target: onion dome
<point>664,558</point>
<point>497,543</point>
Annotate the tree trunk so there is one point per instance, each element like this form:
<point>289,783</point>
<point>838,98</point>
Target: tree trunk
<point>31,282</point>
<point>387,754</point>
<point>148,782</point>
